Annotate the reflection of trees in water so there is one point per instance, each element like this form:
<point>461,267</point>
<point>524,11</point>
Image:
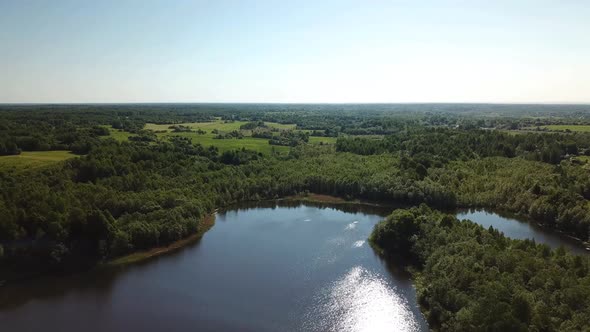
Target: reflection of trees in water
<point>98,282</point>
<point>349,207</point>
<point>536,229</point>
<point>396,266</point>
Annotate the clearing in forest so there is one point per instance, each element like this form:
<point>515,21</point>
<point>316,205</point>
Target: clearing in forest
<point>34,159</point>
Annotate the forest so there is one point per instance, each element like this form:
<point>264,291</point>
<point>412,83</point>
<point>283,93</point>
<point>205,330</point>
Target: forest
<point>129,187</point>
<point>474,279</point>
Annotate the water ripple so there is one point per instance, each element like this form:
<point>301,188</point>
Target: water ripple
<point>358,244</point>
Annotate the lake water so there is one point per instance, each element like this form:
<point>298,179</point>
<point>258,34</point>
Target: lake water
<point>277,268</point>
<point>260,268</point>
<point>519,229</point>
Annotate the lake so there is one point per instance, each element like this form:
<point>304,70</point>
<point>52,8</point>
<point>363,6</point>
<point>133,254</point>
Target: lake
<point>262,267</point>
<point>520,229</point>
<point>265,267</point>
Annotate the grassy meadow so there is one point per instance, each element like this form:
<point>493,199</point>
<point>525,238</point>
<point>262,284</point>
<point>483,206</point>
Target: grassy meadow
<point>581,128</point>
<point>163,132</point>
<point>251,143</point>
<point>28,160</point>
<point>248,142</point>
<point>119,134</point>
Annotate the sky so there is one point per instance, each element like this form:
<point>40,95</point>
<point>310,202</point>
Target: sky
<point>84,51</point>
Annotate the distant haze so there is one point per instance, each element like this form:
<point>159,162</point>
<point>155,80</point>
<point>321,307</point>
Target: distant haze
<point>295,51</point>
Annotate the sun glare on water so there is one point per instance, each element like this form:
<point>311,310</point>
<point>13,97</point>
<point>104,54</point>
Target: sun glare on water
<point>360,301</point>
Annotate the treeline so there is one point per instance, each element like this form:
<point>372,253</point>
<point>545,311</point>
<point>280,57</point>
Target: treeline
<point>86,114</point>
<point>227,135</point>
<point>472,279</point>
<point>42,132</point>
<point>445,144</point>
<point>253,125</point>
<point>281,137</point>
<point>289,138</point>
<point>39,136</point>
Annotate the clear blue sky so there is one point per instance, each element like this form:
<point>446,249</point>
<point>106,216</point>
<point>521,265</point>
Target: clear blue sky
<point>294,51</point>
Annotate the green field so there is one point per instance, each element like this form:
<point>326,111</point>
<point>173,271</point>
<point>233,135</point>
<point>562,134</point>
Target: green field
<point>208,139</point>
<point>163,132</point>
<point>516,131</point>
<point>119,135</point>
<point>27,160</point>
<point>582,128</point>
<point>324,140</point>
<point>582,161</point>
<point>256,144</point>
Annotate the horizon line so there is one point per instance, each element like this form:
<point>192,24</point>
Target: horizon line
<point>292,103</point>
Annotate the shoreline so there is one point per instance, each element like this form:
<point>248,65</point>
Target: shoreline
<point>329,199</point>
<point>143,255</point>
<point>209,222</point>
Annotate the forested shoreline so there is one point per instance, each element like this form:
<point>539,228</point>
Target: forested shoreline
<point>469,278</point>
<point>532,175</point>
<point>124,197</point>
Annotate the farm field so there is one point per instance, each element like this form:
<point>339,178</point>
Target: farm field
<point>248,142</point>
<point>516,131</point>
<point>117,134</point>
<point>581,128</point>
<point>28,160</point>
<point>324,140</point>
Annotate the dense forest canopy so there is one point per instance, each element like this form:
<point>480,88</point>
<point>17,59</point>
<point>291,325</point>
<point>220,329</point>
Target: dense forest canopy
<point>143,176</point>
<point>476,279</point>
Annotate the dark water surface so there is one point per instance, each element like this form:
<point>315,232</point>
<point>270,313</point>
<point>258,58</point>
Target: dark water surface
<point>519,229</point>
<point>278,268</point>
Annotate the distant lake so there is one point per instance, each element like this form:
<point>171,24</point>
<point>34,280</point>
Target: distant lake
<point>519,229</point>
<point>260,268</point>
